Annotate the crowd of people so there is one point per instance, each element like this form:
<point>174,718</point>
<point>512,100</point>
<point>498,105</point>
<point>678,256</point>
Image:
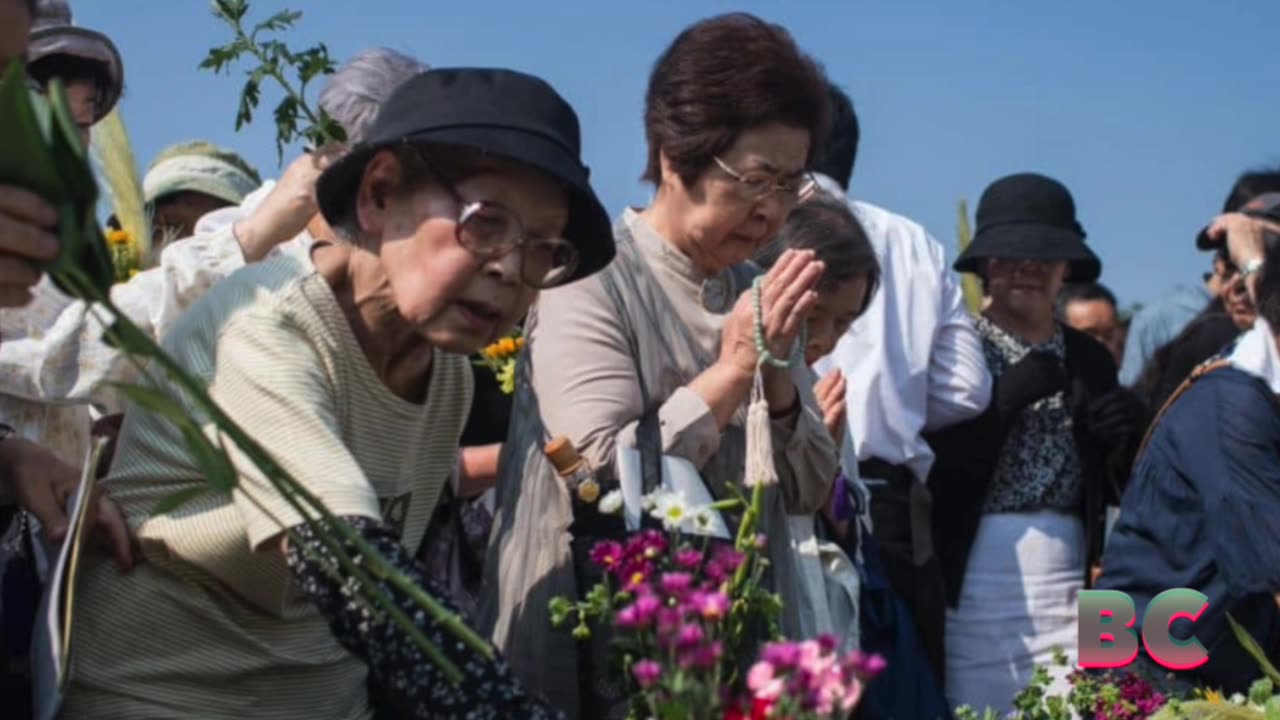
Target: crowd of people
<point>976,467</point>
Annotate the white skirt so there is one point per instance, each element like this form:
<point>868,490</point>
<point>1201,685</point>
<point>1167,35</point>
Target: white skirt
<point>1017,606</point>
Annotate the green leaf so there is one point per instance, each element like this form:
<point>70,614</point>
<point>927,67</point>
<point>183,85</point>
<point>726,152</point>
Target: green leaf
<point>314,62</point>
<point>248,102</point>
<point>282,20</point>
<point>220,57</point>
<point>178,499</point>
<point>1255,651</point>
<point>219,472</point>
<point>154,401</point>
<point>1272,708</point>
<point>286,115</point>
<point>231,10</point>
<point>25,161</point>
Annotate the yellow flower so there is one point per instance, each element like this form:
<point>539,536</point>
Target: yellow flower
<point>507,346</point>
<point>1212,696</point>
<point>507,377</point>
<point>118,237</point>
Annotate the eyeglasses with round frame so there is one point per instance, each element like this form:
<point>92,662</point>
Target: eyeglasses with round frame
<point>754,185</point>
<point>490,230</point>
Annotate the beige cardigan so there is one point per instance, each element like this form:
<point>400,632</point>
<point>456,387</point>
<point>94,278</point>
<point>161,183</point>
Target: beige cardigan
<point>581,383</point>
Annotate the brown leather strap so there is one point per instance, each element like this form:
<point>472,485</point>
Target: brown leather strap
<point>1201,370</point>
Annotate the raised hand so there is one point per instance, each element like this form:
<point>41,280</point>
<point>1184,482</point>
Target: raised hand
<point>830,393</point>
<point>26,237</point>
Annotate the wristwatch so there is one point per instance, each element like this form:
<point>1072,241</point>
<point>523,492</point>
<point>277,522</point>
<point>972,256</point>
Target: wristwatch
<point>1250,268</point>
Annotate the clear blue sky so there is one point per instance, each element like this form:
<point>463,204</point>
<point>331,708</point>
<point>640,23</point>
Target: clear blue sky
<point>1146,110</point>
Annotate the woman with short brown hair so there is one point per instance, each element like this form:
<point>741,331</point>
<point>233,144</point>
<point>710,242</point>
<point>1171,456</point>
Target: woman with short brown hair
<point>660,347</point>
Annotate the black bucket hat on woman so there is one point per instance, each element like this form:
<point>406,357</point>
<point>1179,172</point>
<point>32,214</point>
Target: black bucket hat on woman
<point>501,112</point>
<point>52,33</point>
<point>1029,217</point>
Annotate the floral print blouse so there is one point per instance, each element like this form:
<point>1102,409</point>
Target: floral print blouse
<point>1038,468</point>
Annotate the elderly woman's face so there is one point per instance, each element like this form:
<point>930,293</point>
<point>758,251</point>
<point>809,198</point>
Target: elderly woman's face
<point>82,97</point>
<point>457,300</point>
<point>726,221</point>
<point>1026,287</point>
<point>832,317</point>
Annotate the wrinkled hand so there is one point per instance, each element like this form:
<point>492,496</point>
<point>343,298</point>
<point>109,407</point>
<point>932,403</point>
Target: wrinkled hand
<point>1035,377</point>
<point>286,210</point>
<point>44,485</point>
<point>1114,418</point>
<point>830,391</point>
<point>787,298</point>
<point>26,236</point>
<point>1245,236</point>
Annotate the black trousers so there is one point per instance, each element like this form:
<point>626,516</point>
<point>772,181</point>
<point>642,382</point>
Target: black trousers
<point>901,516</point>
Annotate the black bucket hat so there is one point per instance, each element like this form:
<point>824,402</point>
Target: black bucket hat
<point>1030,217</point>
<point>501,112</point>
<point>53,33</point>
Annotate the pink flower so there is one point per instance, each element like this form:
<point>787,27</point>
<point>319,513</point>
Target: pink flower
<point>646,605</point>
<point>727,558</point>
<point>607,555</point>
<point>852,694</point>
<point>634,573</point>
<point>704,656</point>
<point>827,642</point>
<point>668,621</point>
<point>761,542</point>
<point>711,605</point>
<point>627,618</point>
<point>873,666</point>
<point>763,683</point>
<point>676,583</point>
<point>689,636</point>
<point>866,666</point>
<point>646,545</point>
<point>646,673</point>
<point>640,613</point>
<point>688,558</point>
<point>781,654</point>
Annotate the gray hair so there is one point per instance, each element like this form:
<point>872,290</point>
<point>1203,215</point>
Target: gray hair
<point>354,93</point>
<point>825,225</point>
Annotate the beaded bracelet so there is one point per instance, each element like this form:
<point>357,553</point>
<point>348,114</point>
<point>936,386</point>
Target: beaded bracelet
<point>762,350</point>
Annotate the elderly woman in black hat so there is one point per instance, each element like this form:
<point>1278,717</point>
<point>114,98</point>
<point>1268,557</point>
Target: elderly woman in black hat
<point>466,199</point>
<point>1020,492</point>
<point>657,353</point>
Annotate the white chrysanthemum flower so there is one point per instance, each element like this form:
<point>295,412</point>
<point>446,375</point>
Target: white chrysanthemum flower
<point>611,502</point>
<point>671,509</point>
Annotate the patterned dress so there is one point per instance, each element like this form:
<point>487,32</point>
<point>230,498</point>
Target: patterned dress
<point>1038,468</point>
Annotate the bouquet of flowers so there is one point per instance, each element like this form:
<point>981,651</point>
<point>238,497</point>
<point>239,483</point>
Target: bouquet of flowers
<point>685,612</point>
<point>500,358</point>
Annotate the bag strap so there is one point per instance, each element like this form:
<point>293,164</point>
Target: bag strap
<point>1200,371</point>
<point>648,437</point>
